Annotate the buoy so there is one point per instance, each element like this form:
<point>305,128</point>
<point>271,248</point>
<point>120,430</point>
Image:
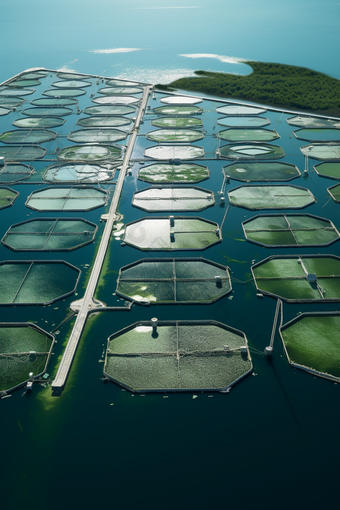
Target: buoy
<point>268,351</point>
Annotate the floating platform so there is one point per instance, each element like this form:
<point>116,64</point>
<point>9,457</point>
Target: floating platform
<point>290,230</point>
<point>173,281</point>
<point>167,198</point>
<point>303,278</point>
<point>24,348</point>
<point>177,356</point>
<point>261,171</point>
<point>271,197</point>
<point>50,234</point>
<point>172,233</point>
<point>312,343</point>
<point>160,173</point>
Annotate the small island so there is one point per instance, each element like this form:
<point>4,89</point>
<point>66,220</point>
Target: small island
<point>279,85</point>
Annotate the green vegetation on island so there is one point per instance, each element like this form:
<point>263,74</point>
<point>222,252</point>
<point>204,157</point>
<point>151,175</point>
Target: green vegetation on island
<point>272,84</point>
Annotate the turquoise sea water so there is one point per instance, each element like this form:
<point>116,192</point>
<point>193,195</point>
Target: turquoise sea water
<point>272,442</point>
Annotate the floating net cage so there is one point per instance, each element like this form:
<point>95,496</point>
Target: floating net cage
<point>72,76</point>
<point>166,198</point>
<point>121,83</point>
<point>106,110</point>
<point>177,122</point>
<point>304,278</point>
<point>22,152</point>
<point>36,75</point>
<point>235,109</point>
<point>181,100</point>
<point>164,173</point>
<point>4,111</point>
<point>113,100</point>
<point>290,230</point>
<point>173,281</point>
<point>313,122</point>
<point>178,110</point>
<point>7,196</point>
<point>97,135</point>
<point>13,173</point>
<point>174,152</point>
<point>24,83</point>
<point>50,234</point>
<point>174,135</point>
<point>11,102</point>
<point>24,348</point>
<point>90,153</point>
<point>106,122</point>
<point>248,135</point>
<point>67,199</point>
<point>71,84</point>
<point>120,91</point>
<point>312,343</point>
<point>56,111</point>
<point>64,93</point>
<point>321,151</point>
<point>27,136</point>
<point>328,169</point>
<point>318,135</point>
<point>78,173</point>
<point>271,197</point>
<point>243,122</point>
<point>334,192</point>
<point>54,101</point>
<point>39,122</point>
<point>251,151</point>
<point>177,356</point>
<point>172,233</point>
<point>16,92</point>
<point>36,282</point>
<point>261,171</point>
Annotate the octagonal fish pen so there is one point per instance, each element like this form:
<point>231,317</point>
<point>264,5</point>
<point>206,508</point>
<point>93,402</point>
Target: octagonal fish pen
<point>167,152</point>
<point>120,91</point>
<point>71,84</point>
<point>174,135</point>
<point>181,100</point>
<point>67,199</point>
<point>236,109</point>
<point>47,111</point>
<point>50,234</point>
<point>334,192</point>
<point>54,101</point>
<point>251,151</point>
<point>89,153</point>
<point>7,197</point>
<point>105,135</point>
<point>318,134</point>
<point>165,173</point>
<point>303,278</point>
<point>78,173</point>
<point>22,152</point>
<point>178,110</point>
<point>173,281</point>
<point>311,342</point>
<point>248,134</point>
<point>177,122</point>
<point>313,122</point>
<point>25,350</point>
<point>166,198</point>
<point>11,173</point>
<point>328,169</point>
<point>30,136</point>
<point>242,121</point>
<point>257,171</point>
<point>177,356</point>
<point>64,92</point>
<point>321,151</point>
<point>290,230</point>
<point>172,233</point>
<point>39,122</point>
<point>115,100</point>
<point>36,282</point>
<point>104,121</point>
<point>271,197</point>
<point>108,110</point>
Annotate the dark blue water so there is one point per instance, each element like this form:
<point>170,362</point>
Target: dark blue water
<point>272,442</point>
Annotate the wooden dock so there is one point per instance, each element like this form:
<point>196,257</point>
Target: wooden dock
<point>67,359</point>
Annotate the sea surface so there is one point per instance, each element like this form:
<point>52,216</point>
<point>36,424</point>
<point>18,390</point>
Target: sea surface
<point>272,442</point>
